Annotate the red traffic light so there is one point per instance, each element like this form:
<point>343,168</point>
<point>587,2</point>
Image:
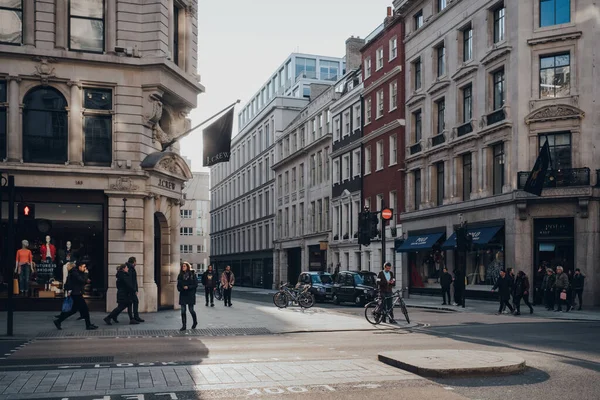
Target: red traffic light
<point>27,211</point>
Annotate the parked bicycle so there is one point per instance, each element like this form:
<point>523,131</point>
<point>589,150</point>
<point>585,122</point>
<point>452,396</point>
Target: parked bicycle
<point>287,295</point>
<point>376,311</point>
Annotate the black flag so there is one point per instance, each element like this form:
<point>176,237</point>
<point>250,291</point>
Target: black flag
<point>217,140</point>
<point>537,177</point>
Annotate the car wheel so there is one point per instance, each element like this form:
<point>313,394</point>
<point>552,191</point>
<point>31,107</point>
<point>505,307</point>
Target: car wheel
<point>359,301</point>
<point>336,300</point>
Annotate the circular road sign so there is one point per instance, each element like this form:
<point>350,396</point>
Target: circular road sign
<point>387,213</point>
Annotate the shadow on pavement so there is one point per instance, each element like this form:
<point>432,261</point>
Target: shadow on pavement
<point>531,376</point>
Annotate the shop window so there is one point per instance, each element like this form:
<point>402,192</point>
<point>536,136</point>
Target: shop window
<point>560,149</point>
<point>498,168</point>
<point>86,25</point>
<point>3,119</point>
<point>45,126</point>
<point>555,12</point>
<point>467,178</point>
<point>11,15</point>
<point>555,75</point>
<point>97,127</point>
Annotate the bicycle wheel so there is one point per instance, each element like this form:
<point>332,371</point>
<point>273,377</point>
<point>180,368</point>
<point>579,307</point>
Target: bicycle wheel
<point>219,294</point>
<point>404,309</point>
<point>306,300</point>
<point>280,300</point>
<point>373,313</point>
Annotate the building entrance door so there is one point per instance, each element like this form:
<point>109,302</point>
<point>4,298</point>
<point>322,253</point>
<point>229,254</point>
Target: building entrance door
<point>294,258</point>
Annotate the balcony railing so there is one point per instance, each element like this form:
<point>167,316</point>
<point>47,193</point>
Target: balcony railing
<point>560,178</point>
<point>464,129</point>
<point>496,116</point>
<point>415,148</point>
<point>438,139</point>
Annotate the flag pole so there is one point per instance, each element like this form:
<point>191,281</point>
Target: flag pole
<point>184,134</point>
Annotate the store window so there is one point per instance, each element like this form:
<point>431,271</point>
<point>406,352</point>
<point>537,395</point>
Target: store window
<point>560,149</point>
<point>86,25</point>
<point>486,259</point>
<point>45,126</point>
<point>3,119</point>
<point>11,28</point>
<point>97,126</point>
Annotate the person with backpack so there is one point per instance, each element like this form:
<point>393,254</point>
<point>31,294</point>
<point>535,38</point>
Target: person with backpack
<point>76,281</point>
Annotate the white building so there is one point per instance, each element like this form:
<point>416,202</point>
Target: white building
<point>194,233</point>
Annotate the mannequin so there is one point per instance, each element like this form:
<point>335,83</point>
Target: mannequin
<point>67,257</point>
<point>24,266</point>
<point>48,250</point>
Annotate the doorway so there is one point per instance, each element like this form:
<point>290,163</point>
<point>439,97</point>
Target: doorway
<point>157,258</point>
<point>294,259</point>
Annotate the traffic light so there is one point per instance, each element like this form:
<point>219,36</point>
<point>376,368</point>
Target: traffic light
<point>374,219</point>
<point>364,234</point>
<point>26,211</point>
<point>463,239</point>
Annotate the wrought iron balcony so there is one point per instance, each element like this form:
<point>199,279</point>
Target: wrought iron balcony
<point>496,116</point>
<point>438,139</point>
<point>464,129</point>
<point>560,178</point>
<point>415,148</point>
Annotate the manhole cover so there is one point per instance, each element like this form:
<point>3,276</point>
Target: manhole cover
<point>156,333</point>
<point>52,361</point>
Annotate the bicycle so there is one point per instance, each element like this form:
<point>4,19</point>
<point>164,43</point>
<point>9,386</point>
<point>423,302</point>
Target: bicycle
<point>376,311</point>
<point>219,292</point>
<point>303,297</point>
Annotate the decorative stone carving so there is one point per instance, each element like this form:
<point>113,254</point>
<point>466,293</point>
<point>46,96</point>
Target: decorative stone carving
<point>554,112</point>
<point>169,164</point>
<point>522,210</point>
<point>483,122</point>
<point>582,205</point>
<point>124,184</point>
<point>154,110</point>
<point>44,70</point>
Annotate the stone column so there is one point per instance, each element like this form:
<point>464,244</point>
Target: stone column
<point>14,134</point>
<point>409,193</point>
<point>75,125</point>
<point>509,178</point>
<point>171,28</point>
<point>175,253</point>
<point>475,162</point>
<point>29,23</point>
<point>61,24</point>
<point>456,179</point>
<point>189,40</point>
<point>111,26</point>
<point>149,295</point>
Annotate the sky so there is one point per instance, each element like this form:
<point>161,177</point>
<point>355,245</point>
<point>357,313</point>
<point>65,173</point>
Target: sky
<point>242,42</point>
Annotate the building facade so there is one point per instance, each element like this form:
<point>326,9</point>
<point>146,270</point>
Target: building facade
<point>383,136</point>
<point>89,94</point>
<point>194,234</point>
<point>487,84</point>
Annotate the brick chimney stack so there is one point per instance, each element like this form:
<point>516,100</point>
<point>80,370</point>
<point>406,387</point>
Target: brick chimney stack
<point>353,56</point>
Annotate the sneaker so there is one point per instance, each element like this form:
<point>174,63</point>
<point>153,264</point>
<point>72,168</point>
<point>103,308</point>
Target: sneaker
<point>134,322</point>
<point>138,319</point>
<point>57,324</point>
<point>91,327</point>
<point>212,304</point>
<point>107,321</point>
<point>206,304</point>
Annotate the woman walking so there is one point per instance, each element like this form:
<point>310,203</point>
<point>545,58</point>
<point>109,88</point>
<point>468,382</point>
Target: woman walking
<point>76,280</point>
<point>504,286</point>
<point>187,284</point>
<point>522,292</point>
<point>125,293</point>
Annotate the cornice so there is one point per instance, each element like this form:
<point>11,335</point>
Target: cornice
<point>438,86</point>
<point>561,37</point>
<point>464,71</point>
<point>388,75</point>
<point>495,53</point>
<point>415,99</point>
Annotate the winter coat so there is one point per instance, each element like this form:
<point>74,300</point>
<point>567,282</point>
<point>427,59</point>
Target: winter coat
<point>187,296</point>
<point>578,282</point>
<point>227,284</point>
<point>459,280</point>
<point>76,281</point>
<point>125,288</point>
<point>521,286</point>
<point>446,280</point>
<point>133,274</point>
<point>562,282</point>
<point>504,286</point>
<point>209,279</point>
<point>539,278</point>
<point>383,284</point>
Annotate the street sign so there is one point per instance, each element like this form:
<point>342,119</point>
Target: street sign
<point>387,214</point>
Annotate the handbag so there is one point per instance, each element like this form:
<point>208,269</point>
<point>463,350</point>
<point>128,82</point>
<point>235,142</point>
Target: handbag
<point>15,286</point>
<point>67,305</point>
<point>563,295</point>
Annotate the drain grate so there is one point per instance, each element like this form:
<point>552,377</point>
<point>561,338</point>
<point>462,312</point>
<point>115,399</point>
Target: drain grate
<point>156,333</point>
<point>52,361</point>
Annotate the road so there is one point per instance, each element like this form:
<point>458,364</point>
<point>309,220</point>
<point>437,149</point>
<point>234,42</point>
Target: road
<point>564,361</point>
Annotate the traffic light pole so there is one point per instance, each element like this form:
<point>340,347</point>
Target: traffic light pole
<point>383,221</point>
<point>10,245</point>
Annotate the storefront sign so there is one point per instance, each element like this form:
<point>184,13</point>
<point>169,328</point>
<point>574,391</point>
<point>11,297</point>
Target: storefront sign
<point>554,227</point>
<point>45,271</point>
<point>163,183</point>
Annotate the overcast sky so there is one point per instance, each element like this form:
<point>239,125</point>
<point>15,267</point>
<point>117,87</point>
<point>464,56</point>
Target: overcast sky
<point>242,42</point>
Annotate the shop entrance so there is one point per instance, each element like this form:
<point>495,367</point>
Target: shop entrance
<point>161,259</point>
<point>555,242</point>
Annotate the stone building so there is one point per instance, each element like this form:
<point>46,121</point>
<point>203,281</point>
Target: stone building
<point>89,94</point>
<point>194,233</point>
<point>487,84</point>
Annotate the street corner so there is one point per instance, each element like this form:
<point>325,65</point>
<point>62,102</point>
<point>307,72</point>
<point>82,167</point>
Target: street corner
<point>454,363</point>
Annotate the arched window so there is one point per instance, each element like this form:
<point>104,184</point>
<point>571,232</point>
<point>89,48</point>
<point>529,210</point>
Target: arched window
<point>45,126</point>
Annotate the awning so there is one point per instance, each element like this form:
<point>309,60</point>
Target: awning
<point>419,242</point>
<point>480,236</point>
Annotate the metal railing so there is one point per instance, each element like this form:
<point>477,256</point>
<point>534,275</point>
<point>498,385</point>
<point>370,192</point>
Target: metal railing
<point>565,177</point>
<point>464,129</point>
<point>415,148</point>
<point>438,139</point>
<point>496,116</point>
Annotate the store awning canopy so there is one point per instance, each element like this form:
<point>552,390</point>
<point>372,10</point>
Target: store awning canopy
<point>419,242</point>
<point>480,236</point>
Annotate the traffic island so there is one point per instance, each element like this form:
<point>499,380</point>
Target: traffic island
<point>454,363</point>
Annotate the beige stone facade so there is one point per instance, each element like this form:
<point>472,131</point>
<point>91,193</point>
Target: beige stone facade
<point>147,65</point>
<point>487,83</point>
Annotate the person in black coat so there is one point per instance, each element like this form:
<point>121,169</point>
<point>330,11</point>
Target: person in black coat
<point>386,280</point>
<point>125,294</point>
<point>522,292</point>
<point>578,282</point>
<point>538,295</point>
<point>135,302</point>
<point>186,285</point>
<point>459,287</point>
<point>209,281</point>
<point>446,281</point>
<point>504,284</point>
<point>76,280</point>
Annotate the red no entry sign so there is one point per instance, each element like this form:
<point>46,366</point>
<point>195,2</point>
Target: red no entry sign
<point>387,214</point>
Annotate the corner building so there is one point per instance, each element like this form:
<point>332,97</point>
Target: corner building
<point>89,93</point>
<point>487,84</point>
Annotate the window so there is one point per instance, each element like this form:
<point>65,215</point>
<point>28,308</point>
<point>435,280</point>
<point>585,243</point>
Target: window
<point>441,115</point>
<point>467,44</point>
<point>346,167</point>
<point>356,159</point>
<point>367,67</point>
<point>313,221</point>
<point>305,67</point>
<point>294,179</point>
<point>186,231</point>
<point>555,12</point>
<point>280,185</point>
<point>380,104</point>
<point>393,48</point>
<point>439,167</point>
<point>560,149</point>
<point>467,176</point>
<point>417,188</point>
<point>326,169</point>
<point>320,167</point>
<point>393,149</point>
<point>441,60</point>
<point>336,171</point>
<point>417,117</point>
<point>313,169</point>
<point>379,59</point>
<point>186,248</point>
<point>498,168</point>
<point>357,117</point>
<point>346,124</point>
<point>3,120</point>
<point>417,67</point>
<point>326,224</point>
<point>45,126</point>
<point>293,230</point>
<point>379,155</point>
<point>418,19</point>
<point>467,93</point>
<point>86,25</point>
<point>499,24</point>
<point>555,75</point>
<point>441,4</point>
<point>337,129</point>
<point>301,169</point>
<point>320,215</point>
<point>11,15</point>
<point>329,70</point>
<point>97,126</point>
<point>301,213</point>
<point>393,95</point>
<point>287,182</point>
<point>393,201</point>
<point>367,160</point>
<point>368,110</point>
<point>498,78</point>
<point>279,223</point>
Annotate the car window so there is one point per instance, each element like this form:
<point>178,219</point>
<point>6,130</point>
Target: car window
<point>315,278</point>
<point>358,279</point>
<point>349,280</point>
<point>368,279</point>
<point>326,279</point>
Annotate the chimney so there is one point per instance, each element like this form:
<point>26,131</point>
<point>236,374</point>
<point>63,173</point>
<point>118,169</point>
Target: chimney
<point>389,11</point>
<point>353,56</point>
<point>388,17</point>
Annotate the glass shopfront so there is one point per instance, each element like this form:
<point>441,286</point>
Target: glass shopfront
<point>426,259</point>
<point>554,242</point>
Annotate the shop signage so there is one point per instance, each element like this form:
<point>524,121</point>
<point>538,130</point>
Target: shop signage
<point>554,227</point>
<point>45,270</point>
<point>163,183</point>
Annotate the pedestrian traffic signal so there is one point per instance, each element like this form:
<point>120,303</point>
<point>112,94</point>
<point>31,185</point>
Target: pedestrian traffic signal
<point>26,211</point>
<point>374,224</point>
<point>364,234</point>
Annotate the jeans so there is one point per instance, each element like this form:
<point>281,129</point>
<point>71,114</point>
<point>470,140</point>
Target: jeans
<point>119,309</point>
<point>389,304</point>
<point>525,298</point>
<point>132,308</point>
<point>192,313</point>
<point>446,292</point>
<point>209,292</point>
<point>79,305</point>
<point>579,294</point>
<point>504,302</point>
<point>227,296</point>
<point>24,277</point>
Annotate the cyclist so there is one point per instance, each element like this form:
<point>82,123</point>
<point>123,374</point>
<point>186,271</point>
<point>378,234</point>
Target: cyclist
<point>386,281</point>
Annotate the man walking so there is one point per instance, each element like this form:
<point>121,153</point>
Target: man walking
<point>561,285</point>
<point>522,292</point>
<point>578,282</point>
<point>386,282</point>
<point>446,281</point>
<point>135,302</point>
<point>209,280</point>
<point>227,281</point>
<point>504,286</point>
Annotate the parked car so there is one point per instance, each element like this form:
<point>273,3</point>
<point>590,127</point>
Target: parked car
<point>355,287</point>
<point>320,284</point>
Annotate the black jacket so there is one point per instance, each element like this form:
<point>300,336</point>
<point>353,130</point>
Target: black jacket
<point>521,286</point>
<point>578,282</point>
<point>125,289</point>
<point>133,274</point>
<point>187,296</point>
<point>446,280</point>
<point>76,281</point>
<point>504,286</point>
<point>459,280</point>
<point>209,278</point>
<point>383,284</point>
